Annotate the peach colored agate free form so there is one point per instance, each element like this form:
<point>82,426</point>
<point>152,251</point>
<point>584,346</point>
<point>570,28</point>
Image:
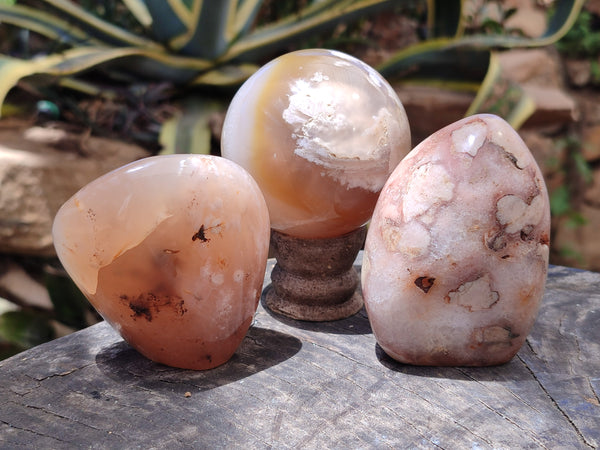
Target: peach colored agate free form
<point>456,256</point>
<point>320,131</point>
<point>171,251</point>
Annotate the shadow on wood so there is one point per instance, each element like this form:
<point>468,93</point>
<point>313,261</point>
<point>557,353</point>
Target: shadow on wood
<point>260,350</point>
<point>514,370</point>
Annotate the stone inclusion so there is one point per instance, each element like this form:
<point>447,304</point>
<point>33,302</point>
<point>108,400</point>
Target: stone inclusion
<point>456,255</point>
<point>171,251</point>
<point>320,131</point>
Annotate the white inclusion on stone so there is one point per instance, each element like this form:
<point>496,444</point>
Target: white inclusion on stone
<point>238,276</point>
<point>411,239</point>
<point>428,186</point>
<point>469,138</point>
<point>333,129</point>
<point>217,278</point>
<point>318,77</point>
<point>474,295</point>
<point>515,214</point>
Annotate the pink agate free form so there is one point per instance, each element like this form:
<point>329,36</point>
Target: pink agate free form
<point>171,251</point>
<point>456,256</point>
<point>320,131</point>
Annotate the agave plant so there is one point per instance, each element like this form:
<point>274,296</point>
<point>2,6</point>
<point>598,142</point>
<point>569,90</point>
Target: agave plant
<point>216,44</point>
<point>191,42</point>
<point>451,57</point>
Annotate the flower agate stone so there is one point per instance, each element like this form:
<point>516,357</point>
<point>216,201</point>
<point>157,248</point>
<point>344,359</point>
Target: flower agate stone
<point>320,131</point>
<point>171,251</point>
<point>456,256</point>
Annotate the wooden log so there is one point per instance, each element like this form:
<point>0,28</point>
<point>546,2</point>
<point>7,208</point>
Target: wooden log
<point>314,385</point>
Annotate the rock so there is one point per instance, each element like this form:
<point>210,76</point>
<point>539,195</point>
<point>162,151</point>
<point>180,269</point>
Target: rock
<point>456,255</point>
<point>430,108</point>
<point>532,66</point>
<point>590,148</point>
<point>19,285</point>
<point>40,169</point>
<point>579,71</point>
<point>592,194</point>
<point>593,6</point>
<point>538,71</point>
<point>528,18</point>
<point>578,246</point>
<point>171,251</point>
<point>553,106</point>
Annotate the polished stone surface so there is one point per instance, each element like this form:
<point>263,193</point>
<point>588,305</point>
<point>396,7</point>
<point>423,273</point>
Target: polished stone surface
<point>457,252</point>
<point>320,131</point>
<point>171,251</point>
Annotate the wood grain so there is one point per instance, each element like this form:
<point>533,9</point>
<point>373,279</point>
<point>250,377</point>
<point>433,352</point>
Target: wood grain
<point>314,385</point>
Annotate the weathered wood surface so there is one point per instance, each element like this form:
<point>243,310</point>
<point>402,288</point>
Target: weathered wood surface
<point>302,385</point>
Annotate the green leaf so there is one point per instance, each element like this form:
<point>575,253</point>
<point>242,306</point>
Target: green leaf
<point>25,329</point>
<point>502,97</point>
<point>45,24</point>
<point>140,11</point>
<point>437,59</point>
<point>66,22</point>
<point>239,23</point>
<point>226,76</point>
<point>314,18</point>
<point>575,220</point>
<point>444,18</point>
<point>583,167</point>
<point>70,305</point>
<point>206,36</point>
<point>189,132</point>
<point>560,201</point>
<point>565,14</point>
<point>151,64</point>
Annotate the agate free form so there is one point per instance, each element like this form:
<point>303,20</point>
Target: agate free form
<point>320,132</point>
<point>171,251</point>
<point>457,252</point>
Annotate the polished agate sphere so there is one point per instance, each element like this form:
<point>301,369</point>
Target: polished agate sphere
<point>320,131</point>
<point>171,251</point>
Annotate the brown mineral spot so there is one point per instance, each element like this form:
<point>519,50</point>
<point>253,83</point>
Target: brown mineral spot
<point>424,283</point>
<point>513,159</point>
<point>147,305</point>
<point>140,311</point>
<point>526,233</point>
<point>497,242</point>
<point>200,235</point>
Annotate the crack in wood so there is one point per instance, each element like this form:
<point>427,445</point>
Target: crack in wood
<point>596,397</point>
<point>555,403</point>
<point>29,430</point>
<point>515,424</point>
<point>60,374</point>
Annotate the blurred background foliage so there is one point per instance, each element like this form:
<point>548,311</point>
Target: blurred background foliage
<point>154,72</point>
